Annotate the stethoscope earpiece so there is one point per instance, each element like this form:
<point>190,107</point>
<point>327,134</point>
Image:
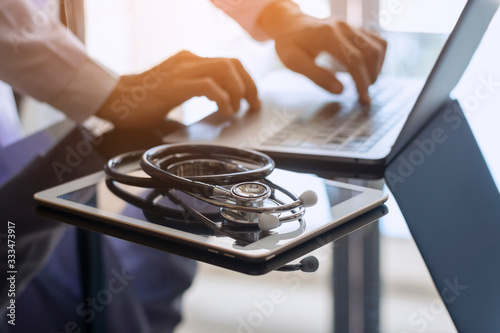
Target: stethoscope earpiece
<point>309,198</point>
<point>267,222</point>
<point>308,265</point>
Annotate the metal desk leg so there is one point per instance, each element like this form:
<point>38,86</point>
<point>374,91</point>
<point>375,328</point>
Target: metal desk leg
<point>91,273</point>
<point>356,281</point>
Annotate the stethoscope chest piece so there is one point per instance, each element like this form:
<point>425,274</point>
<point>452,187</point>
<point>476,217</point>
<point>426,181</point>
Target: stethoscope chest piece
<point>248,194</point>
<point>251,194</point>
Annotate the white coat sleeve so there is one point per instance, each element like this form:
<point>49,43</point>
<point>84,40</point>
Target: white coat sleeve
<point>40,58</point>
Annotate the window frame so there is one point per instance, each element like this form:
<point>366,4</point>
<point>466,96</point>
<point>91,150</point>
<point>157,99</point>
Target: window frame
<point>368,18</point>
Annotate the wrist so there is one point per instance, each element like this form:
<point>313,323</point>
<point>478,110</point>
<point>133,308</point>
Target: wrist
<point>117,106</point>
<point>278,18</point>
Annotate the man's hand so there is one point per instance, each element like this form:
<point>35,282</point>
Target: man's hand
<point>144,99</point>
<point>300,39</point>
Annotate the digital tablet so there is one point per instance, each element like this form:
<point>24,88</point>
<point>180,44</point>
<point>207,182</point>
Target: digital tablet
<point>106,203</point>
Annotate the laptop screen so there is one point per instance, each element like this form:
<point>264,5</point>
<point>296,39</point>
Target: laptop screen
<point>449,67</point>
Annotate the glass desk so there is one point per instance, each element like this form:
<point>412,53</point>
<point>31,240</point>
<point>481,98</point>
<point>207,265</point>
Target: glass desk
<point>363,283</point>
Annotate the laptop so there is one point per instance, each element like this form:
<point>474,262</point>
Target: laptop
<point>308,129</point>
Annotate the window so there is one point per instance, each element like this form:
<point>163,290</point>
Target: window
<point>415,29</point>
<point>129,35</point>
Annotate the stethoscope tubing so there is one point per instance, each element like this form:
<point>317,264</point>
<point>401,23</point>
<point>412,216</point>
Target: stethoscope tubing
<point>152,162</point>
<point>148,159</point>
<point>112,171</point>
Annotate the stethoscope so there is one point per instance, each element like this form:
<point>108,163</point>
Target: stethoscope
<point>232,179</point>
<point>201,170</point>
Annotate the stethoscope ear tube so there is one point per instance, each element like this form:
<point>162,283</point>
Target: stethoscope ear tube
<point>113,172</point>
<point>155,163</point>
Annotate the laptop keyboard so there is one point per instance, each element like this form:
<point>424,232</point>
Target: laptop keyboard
<point>349,126</point>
